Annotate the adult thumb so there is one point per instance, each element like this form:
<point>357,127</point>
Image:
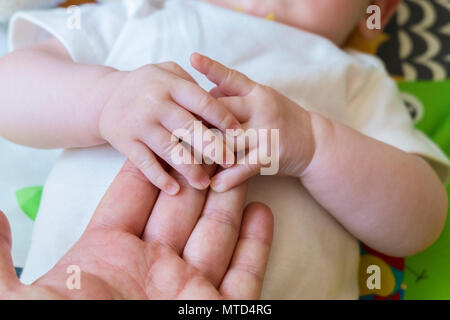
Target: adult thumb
<point>8,277</point>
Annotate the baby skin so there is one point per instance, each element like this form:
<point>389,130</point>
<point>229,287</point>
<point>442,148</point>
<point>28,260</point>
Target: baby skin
<point>136,111</point>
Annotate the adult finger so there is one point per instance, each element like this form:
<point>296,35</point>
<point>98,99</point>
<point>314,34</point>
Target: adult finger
<point>212,242</point>
<point>230,82</point>
<point>245,275</point>
<point>8,278</point>
<point>127,203</point>
<point>174,217</point>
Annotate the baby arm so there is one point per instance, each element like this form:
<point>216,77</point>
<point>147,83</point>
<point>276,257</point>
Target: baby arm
<point>391,200</point>
<point>48,101</point>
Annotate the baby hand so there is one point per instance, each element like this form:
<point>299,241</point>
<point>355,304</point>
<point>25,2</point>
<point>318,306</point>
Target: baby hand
<point>145,107</point>
<point>259,108</point>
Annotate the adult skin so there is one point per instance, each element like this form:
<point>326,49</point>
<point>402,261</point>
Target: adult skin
<point>143,244</point>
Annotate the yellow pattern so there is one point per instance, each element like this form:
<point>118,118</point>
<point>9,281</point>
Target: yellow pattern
<point>358,42</point>
<point>271,17</point>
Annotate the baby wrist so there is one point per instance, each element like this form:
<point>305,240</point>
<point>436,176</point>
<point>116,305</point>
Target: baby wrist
<point>322,129</point>
<point>107,86</point>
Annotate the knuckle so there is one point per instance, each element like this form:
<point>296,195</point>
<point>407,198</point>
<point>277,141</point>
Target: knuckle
<point>230,76</point>
<point>205,106</point>
<point>200,262</point>
<point>148,68</point>
<point>173,66</point>
<point>159,177</point>
<point>269,101</point>
<point>204,102</point>
<point>144,163</point>
<point>166,148</point>
<point>227,122</point>
<point>163,242</point>
<point>222,216</point>
<point>189,126</point>
<point>249,269</point>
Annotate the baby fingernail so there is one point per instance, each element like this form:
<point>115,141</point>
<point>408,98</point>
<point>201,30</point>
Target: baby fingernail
<point>217,185</point>
<point>236,126</point>
<point>205,182</point>
<point>173,189</point>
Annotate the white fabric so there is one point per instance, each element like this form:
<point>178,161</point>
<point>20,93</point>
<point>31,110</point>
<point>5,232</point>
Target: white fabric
<point>8,7</point>
<point>312,256</point>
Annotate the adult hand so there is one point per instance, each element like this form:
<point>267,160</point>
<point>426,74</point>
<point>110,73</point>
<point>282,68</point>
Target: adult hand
<point>139,245</point>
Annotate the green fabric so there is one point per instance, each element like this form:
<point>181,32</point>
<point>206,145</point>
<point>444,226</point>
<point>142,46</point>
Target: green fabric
<point>435,99</point>
<point>29,200</point>
<point>427,274</point>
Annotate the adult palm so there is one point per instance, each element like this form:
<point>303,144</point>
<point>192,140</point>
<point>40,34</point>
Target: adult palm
<point>142,244</point>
